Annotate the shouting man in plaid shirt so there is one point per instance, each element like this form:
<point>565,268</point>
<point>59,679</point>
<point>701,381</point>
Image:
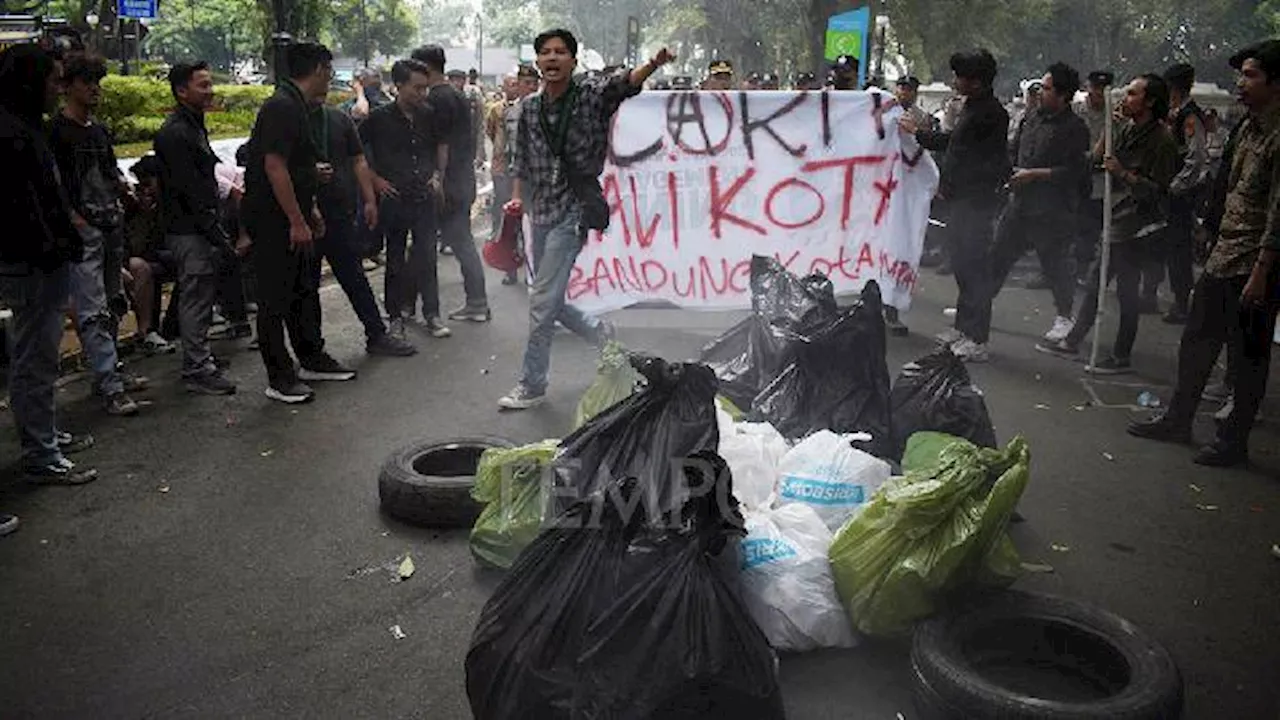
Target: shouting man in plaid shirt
<point>561,140</point>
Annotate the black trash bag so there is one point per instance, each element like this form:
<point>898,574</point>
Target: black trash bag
<point>645,436</point>
<point>624,620</point>
<point>935,393</point>
<point>837,380</point>
<point>784,310</point>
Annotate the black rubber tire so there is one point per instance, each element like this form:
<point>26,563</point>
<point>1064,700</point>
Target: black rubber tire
<point>429,483</point>
<point>948,685</point>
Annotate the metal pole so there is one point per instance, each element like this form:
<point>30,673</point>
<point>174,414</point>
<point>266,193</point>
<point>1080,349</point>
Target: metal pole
<point>1105,259</point>
<point>124,44</point>
<point>364,34</point>
<point>480,46</point>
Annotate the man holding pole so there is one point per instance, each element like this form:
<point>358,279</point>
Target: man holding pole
<point>1141,163</point>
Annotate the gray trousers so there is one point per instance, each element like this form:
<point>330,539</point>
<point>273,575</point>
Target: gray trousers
<point>455,233</point>
<point>90,300</point>
<point>37,299</point>
<point>196,262</point>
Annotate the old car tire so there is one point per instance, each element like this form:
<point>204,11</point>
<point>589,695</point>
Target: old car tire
<point>997,658</point>
<point>429,483</point>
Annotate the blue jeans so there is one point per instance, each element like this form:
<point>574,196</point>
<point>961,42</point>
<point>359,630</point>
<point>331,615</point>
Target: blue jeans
<point>341,248</point>
<point>555,248</point>
<point>37,299</point>
<point>95,324</point>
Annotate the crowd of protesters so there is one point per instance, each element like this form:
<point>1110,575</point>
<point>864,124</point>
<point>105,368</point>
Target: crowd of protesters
<point>1038,183</point>
<point>394,174</point>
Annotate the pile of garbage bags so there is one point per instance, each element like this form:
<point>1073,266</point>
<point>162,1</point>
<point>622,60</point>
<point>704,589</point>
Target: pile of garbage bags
<point>663,551</point>
<point>802,363</point>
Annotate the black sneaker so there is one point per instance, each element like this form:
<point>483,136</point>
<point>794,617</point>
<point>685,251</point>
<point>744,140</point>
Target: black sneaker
<point>1222,455</point>
<point>70,444</point>
<point>1161,428</point>
<point>510,279</point>
<point>388,345</point>
<point>436,327</point>
<point>59,472</point>
<point>323,367</point>
<point>1109,366</point>
<point>120,405</point>
<point>294,394</point>
<point>470,314</point>
<point>1061,348</point>
<point>210,384</point>
<point>8,524</point>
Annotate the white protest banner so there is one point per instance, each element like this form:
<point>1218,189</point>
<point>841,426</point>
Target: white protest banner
<point>700,182</point>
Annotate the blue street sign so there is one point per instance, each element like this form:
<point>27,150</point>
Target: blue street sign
<point>137,9</point>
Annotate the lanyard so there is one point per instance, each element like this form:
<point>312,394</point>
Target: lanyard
<point>557,137</point>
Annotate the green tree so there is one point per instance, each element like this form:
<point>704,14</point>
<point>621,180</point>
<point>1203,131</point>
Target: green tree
<point>223,32</point>
<point>446,22</point>
<point>511,23</point>
<point>374,27</point>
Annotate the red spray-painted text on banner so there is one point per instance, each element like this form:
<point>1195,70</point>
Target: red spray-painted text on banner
<point>699,182</point>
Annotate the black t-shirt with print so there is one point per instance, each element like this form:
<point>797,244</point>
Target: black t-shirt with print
<point>89,171</point>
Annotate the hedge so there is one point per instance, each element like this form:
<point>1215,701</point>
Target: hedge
<point>134,107</point>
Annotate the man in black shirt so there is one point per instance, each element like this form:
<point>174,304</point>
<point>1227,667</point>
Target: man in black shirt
<point>408,160</point>
<point>452,112</point>
<point>94,186</point>
<point>36,248</point>
<point>1050,159</point>
<point>340,244</point>
<point>974,164</point>
<point>284,171</point>
<point>189,203</point>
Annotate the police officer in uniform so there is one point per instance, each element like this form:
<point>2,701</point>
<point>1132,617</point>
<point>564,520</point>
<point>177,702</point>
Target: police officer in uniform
<point>719,76</point>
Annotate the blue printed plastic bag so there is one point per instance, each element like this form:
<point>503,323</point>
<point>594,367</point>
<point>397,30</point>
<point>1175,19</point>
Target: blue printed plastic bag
<point>829,475</point>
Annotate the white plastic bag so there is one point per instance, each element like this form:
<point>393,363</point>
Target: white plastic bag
<point>826,473</point>
<point>753,451</point>
<point>787,582</point>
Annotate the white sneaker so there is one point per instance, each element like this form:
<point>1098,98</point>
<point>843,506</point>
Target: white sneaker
<point>970,351</point>
<point>949,337</point>
<point>1062,327</point>
<point>521,398</point>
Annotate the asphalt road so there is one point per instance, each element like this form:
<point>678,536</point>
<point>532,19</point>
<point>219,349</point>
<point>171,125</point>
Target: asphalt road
<point>218,568</point>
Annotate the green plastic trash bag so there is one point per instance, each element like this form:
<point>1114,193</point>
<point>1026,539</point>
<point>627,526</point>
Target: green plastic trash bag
<point>930,534</point>
<point>924,450</point>
<point>615,381</point>
<point>509,484</point>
